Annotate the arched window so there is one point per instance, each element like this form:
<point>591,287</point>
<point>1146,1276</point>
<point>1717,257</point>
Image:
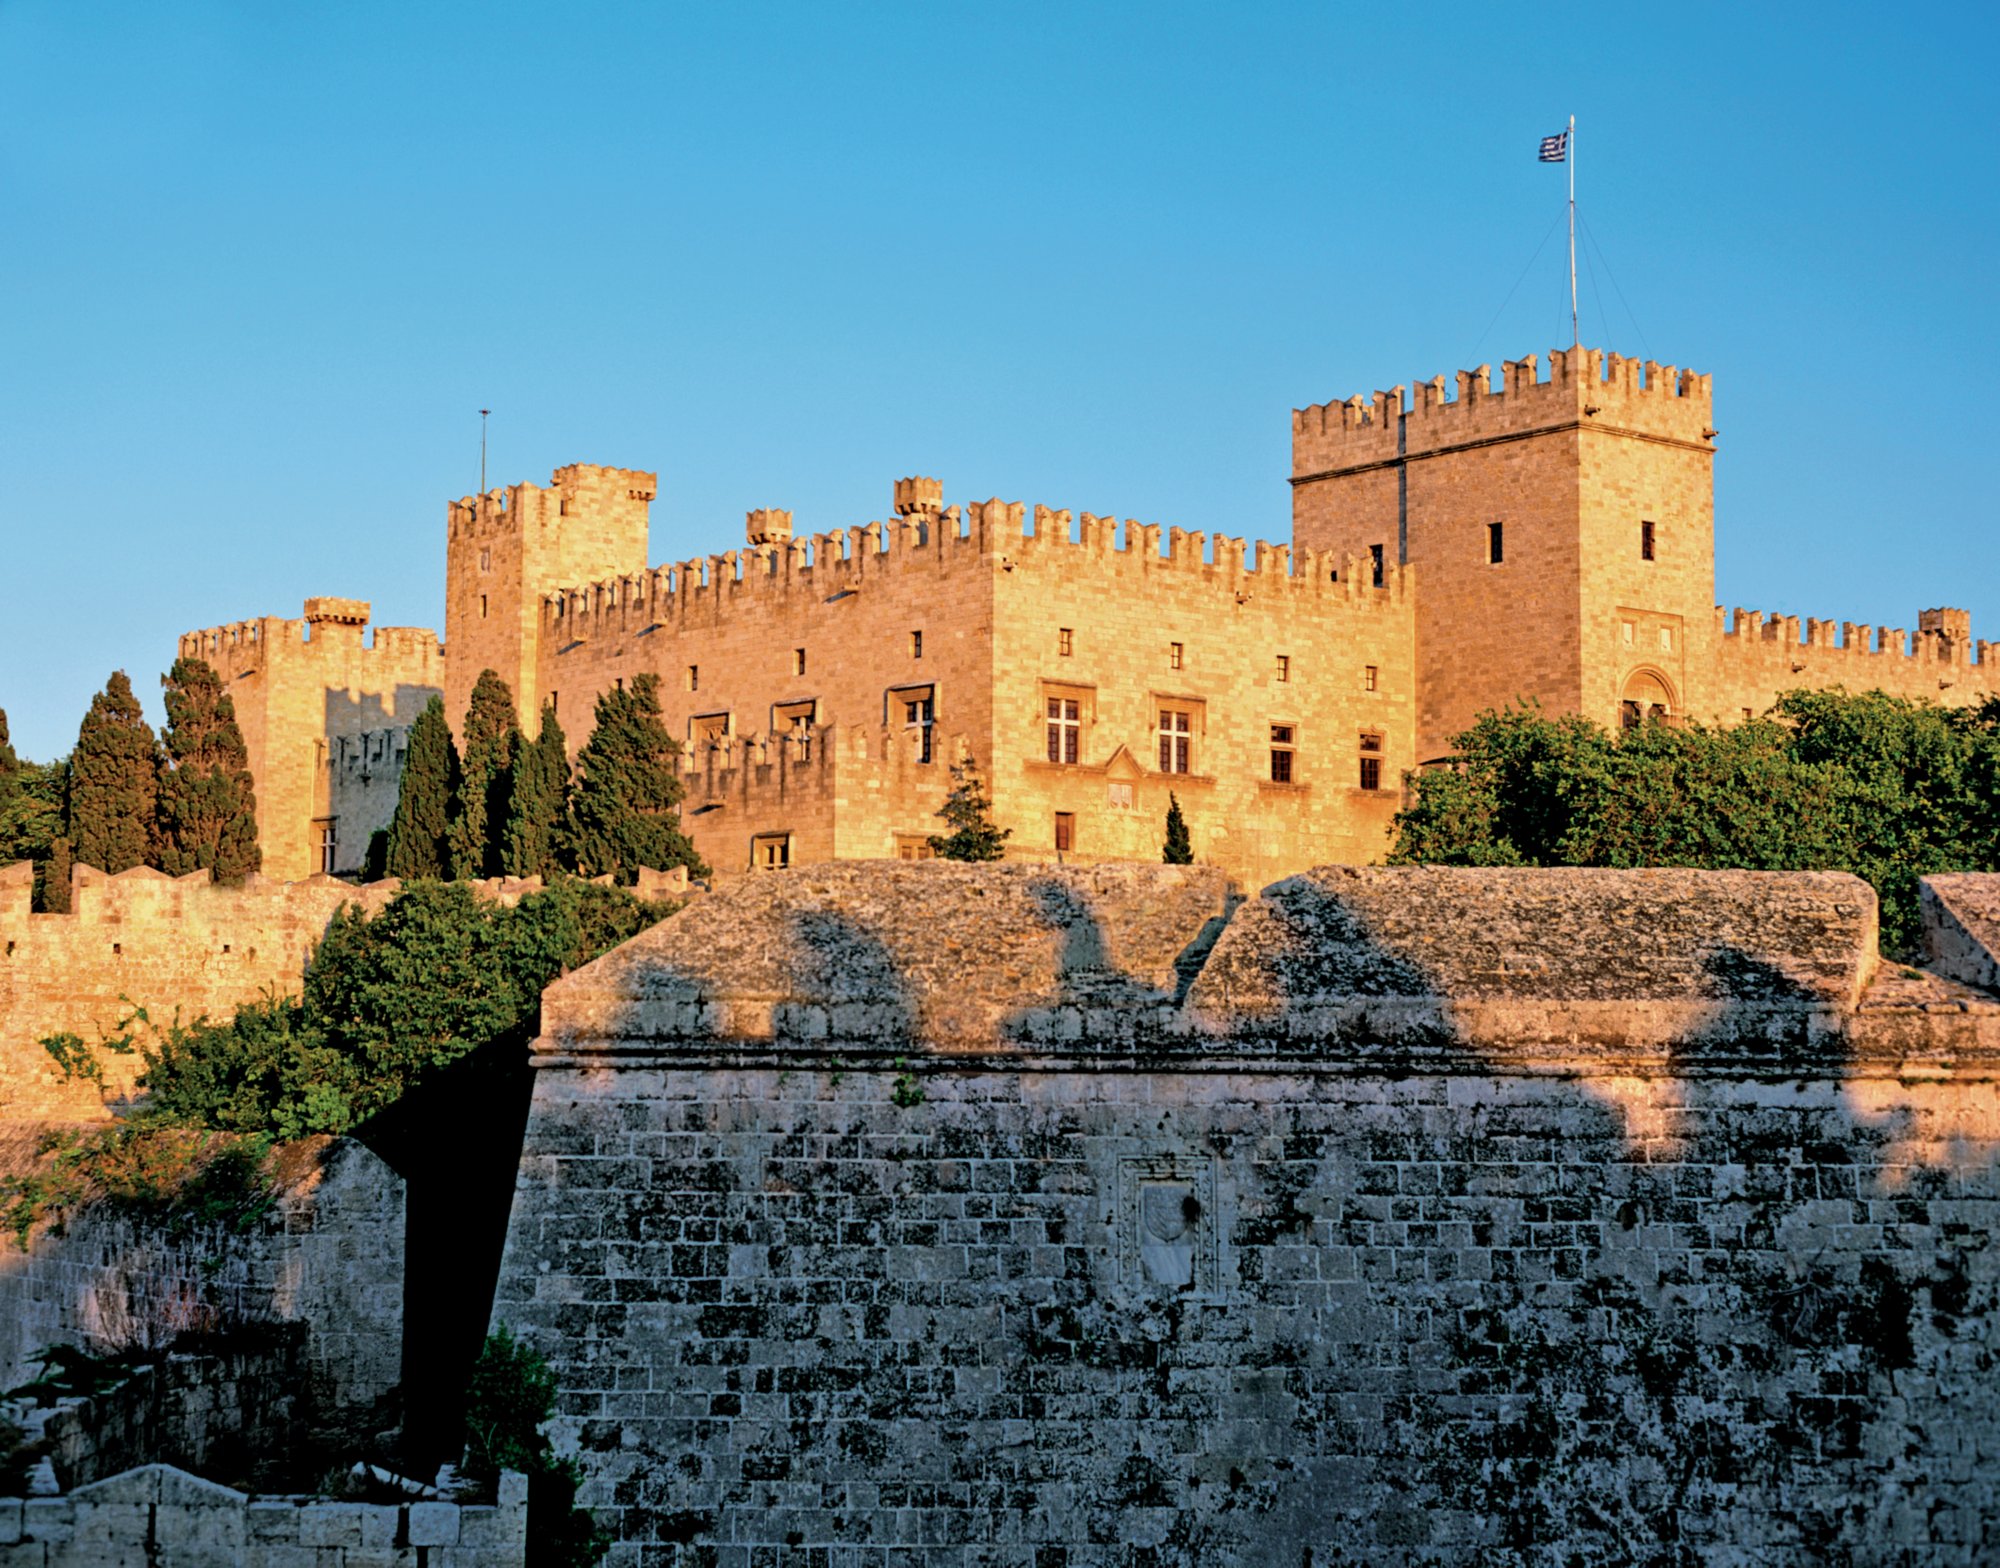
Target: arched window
<point>1647,698</point>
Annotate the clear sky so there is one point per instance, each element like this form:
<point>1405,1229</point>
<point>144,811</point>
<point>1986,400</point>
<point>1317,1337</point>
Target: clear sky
<point>261,264</point>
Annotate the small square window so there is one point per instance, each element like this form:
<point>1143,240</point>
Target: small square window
<point>1065,642</point>
<point>1065,832</point>
<point>916,645</point>
<point>1496,544</point>
<point>1176,654</point>
<point>1284,670</point>
<point>1370,677</point>
<point>798,661</point>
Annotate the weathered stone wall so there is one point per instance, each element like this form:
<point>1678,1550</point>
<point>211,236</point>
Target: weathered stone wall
<point>937,1215</point>
<point>328,1256</point>
<point>157,1514</point>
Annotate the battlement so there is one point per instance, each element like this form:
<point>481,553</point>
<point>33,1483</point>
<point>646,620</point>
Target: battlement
<point>328,624</point>
<point>572,490</point>
<point>767,525</point>
<point>1584,386</point>
<point>983,536</point>
<point>1944,638</point>
<point>919,496</point>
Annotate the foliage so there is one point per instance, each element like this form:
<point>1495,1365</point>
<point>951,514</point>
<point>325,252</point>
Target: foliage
<point>968,812</point>
<point>183,1176</point>
<point>492,738</point>
<point>52,879</point>
<point>624,813</point>
<point>420,829</point>
<point>511,1396</point>
<point>31,807</point>
<point>207,808</point>
<point>10,765</point>
<point>906,1091</point>
<point>538,803</point>
<point>437,974</point>
<point>1179,848</point>
<point>71,1372</point>
<point>1881,786</point>
<point>114,779</point>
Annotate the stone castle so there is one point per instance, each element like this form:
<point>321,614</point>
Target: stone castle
<point>1553,540</point>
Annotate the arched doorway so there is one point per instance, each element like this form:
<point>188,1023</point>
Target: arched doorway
<point>1647,698</point>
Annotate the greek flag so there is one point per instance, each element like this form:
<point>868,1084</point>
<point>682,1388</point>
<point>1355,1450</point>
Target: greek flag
<point>1555,148</point>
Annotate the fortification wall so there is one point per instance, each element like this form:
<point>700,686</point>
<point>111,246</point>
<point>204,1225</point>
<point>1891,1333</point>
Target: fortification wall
<point>1417,1217</point>
<point>301,688</point>
<point>1759,657</point>
<point>175,946</point>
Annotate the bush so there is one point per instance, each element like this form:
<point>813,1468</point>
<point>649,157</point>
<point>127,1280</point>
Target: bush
<point>184,1177</point>
<point>510,1397</point>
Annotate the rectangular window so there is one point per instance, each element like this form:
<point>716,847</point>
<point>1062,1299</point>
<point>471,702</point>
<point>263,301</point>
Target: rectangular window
<point>1065,832</point>
<point>329,844</point>
<point>1176,740</point>
<point>694,677</point>
<point>1371,761</point>
<point>1646,542</point>
<point>710,729</point>
<point>1666,639</point>
<point>1375,555</point>
<point>770,851</point>
<point>916,645</point>
<point>555,697</point>
<point>1284,671</point>
<point>1176,653</point>
<point>1065,642</point>
<point>1369,678</point>
<point>798,661</point>
<point>1281,753</point>
<point>920,716</point>
<point>482,606</point>
<point>1496,544</point>
<point>913,846</point>
<point>1628,630</point>
<point>1065,727</point>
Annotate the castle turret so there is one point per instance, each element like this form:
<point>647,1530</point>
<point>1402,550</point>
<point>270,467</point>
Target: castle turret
<point>509,547</point>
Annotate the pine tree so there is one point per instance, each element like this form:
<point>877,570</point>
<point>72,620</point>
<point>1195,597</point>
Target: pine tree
<point>538,802</point>
<point>624,812</point>
<point>1179,848</point>
<point>486,779</point>
<point>208,811</point>
<point>968,812</point>
<point>114,782</point>
<point>420,831</point>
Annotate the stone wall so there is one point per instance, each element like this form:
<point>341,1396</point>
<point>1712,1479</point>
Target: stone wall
<point>1018,1216</point>
<point>158,1514</point>
<point>329,1256</point>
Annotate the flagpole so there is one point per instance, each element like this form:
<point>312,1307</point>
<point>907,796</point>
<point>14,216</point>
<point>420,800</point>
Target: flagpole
<point>1576,338</point>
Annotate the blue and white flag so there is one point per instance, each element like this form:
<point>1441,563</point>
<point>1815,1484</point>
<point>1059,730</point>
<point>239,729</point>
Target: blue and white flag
<point>1555,148</point>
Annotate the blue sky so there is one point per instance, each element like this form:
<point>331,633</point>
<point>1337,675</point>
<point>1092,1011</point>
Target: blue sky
<point>260,265</point>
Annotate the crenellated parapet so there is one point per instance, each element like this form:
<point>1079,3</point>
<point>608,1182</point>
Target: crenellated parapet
<point>330,630</point>
<point>572,489</point>
<point>1583,387</point>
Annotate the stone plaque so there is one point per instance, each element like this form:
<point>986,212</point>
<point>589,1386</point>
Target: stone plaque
<point>1167,1222</point>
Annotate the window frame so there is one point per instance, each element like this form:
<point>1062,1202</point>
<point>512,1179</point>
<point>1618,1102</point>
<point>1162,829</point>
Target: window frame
<point>1174,744</point>
<point>1283,744</point>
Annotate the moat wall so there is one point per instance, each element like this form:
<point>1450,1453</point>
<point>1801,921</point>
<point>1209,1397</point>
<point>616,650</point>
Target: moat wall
<point>933,1215</point>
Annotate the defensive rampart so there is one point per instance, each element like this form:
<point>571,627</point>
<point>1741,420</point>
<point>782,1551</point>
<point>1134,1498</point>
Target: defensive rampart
<point>1759,657</point>
<point>174,946</point>
<point>1017,1215</point>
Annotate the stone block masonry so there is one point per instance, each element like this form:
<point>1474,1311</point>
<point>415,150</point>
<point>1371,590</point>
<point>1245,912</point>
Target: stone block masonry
<point>932,1215</point>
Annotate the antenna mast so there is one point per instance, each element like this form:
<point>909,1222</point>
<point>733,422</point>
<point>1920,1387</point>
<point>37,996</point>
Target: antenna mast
<point>1572,267</point>
<point>1575,337</point>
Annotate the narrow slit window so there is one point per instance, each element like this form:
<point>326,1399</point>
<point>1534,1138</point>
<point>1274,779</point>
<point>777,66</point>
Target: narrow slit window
<point>1375,556</point>
<point>694,677</point>
<point>916,645</point>
<point>1284,669</point>
<point>1370,677</point>
<point>1065,641</point>
<point>1176,655</point>
<point>1496,543</point>
<point>1648,542</point>
<point>798,661</point>
<point>482,606</point>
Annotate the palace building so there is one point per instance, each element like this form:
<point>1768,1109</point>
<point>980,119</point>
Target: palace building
<point>1551,539</point>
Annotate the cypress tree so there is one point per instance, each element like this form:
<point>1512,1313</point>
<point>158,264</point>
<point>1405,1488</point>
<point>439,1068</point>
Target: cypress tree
<point>10,765</point>
<point>114,782</point>
<point>208,811</point>
<point>538,802</point>
<point>1179,848</point>
<point>52,882</point>
<point>968,812</point>
<point>624,812</point>
<point>420,831</point>
<point>486,779</point>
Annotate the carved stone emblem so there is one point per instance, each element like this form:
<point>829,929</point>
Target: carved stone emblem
<point>1167,1222</point>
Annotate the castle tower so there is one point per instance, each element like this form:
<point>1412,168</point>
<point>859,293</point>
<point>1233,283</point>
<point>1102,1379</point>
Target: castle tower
<point>1563,531</point>
<point>506,549</point>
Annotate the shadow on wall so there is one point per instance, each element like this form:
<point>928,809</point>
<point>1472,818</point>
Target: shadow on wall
<point>1519,1232</point>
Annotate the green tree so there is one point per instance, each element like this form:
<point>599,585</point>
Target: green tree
<point>114,782</point>
<point>420,829</point>
<point>486,779</point>
<point>10,765</point>
<point>208,810</point>
<point>624,812</point>
<point>51,893</point>
<point>968,812</point>
<point>1179,848</point>
<point>538,804</point>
